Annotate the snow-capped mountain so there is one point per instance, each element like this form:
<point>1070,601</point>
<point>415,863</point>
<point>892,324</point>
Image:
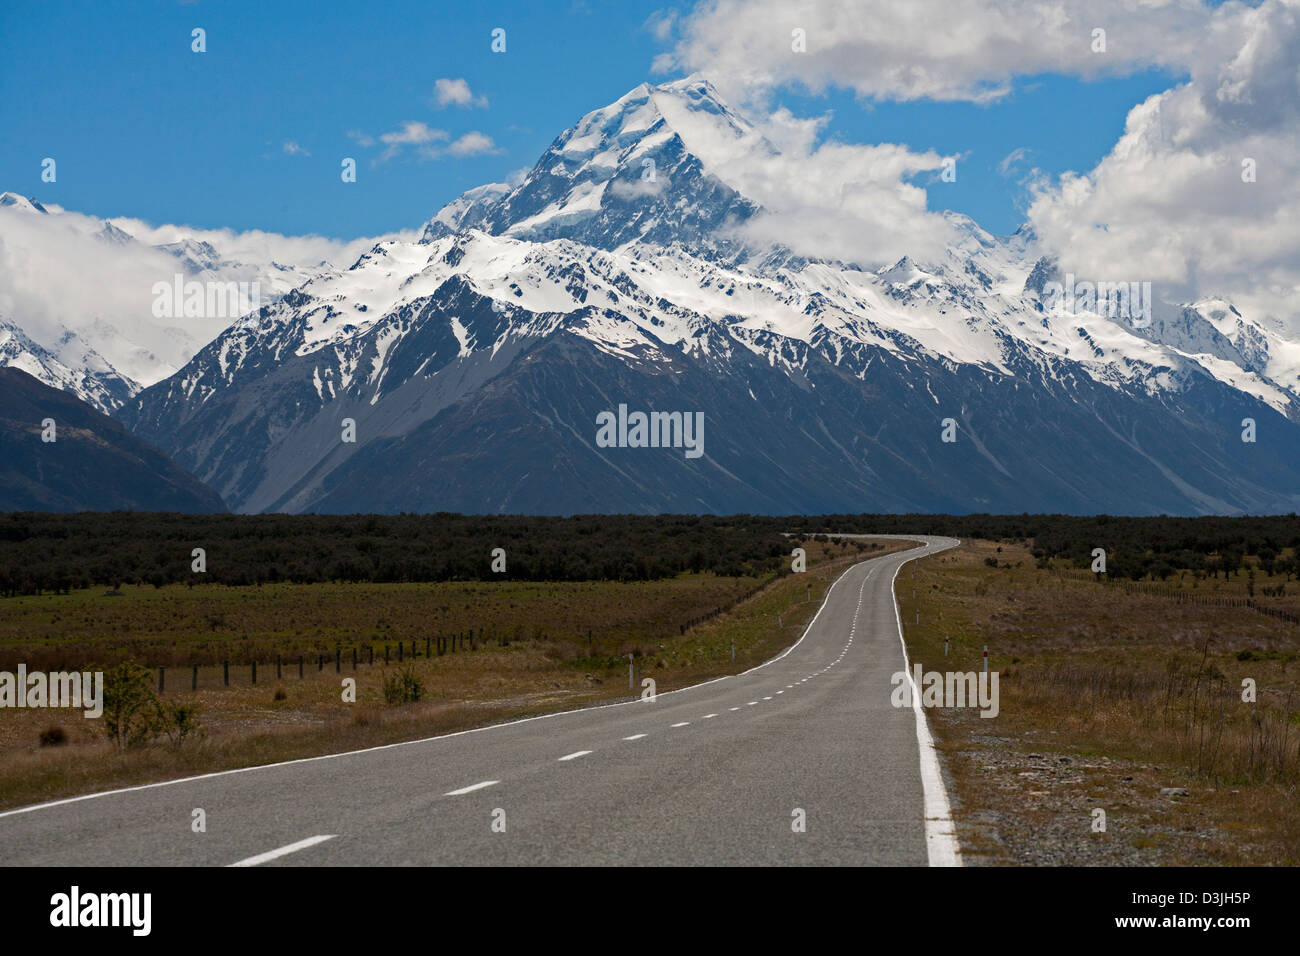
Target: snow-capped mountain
<point>92,380</point>
<point>474,363</point>
<point>82,292</point>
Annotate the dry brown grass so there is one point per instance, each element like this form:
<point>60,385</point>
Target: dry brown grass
<point>1135,692</point>
<point>542,663</point>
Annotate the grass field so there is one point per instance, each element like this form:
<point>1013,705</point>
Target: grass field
<point>538,648</point>
<point>1108,695</point>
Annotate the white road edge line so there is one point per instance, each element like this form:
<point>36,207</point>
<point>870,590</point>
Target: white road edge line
<point>634,737</point>
<point>471,788</point>
<point>575,755</point>
<point>941,845</point>
<point>284,850</point>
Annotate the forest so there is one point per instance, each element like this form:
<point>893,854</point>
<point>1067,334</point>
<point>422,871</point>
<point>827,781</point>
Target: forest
<point>57,552</point>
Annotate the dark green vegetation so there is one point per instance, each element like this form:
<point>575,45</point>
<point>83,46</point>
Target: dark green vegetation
<point>48,552</point>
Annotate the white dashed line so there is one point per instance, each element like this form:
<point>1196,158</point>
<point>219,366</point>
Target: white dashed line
<point>634,737</point>
<point>471,788</point>
<point>707,716</point>
<point>684,723</point>
<point>284,850</point>
<point>575,755</point>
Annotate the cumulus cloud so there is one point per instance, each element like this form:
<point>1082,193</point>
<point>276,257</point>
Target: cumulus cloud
<point>928,49</point>
<point>1173,203</point>
<point>845,201</point>
<point>1168,203</point>
<point>293,149</point>
<point>473,143</point>
<point>447,92</point>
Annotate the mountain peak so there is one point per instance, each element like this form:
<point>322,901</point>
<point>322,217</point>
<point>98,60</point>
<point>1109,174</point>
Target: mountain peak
<point>24,203</point>
<point>636,169</point>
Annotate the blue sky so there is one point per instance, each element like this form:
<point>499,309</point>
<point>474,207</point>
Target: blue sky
<point>141,126</point>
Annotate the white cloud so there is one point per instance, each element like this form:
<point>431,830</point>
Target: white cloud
<point>1012,160</point>
<point>660,24</point>
<point>293,149</point>
<point>839,200</point>
<point>56,275</point>
<point>1168,204</point>
<point>427,142</point>
<point>447,92</point>
<point>411,133</point>
<point>931,49</point>
<point>473,143</point>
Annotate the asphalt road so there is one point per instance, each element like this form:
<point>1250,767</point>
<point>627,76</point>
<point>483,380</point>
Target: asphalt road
<point>713,774</point>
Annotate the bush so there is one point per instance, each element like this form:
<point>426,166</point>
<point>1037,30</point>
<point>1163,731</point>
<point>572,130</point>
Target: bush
<point>403,687</point>
<point>135,716</point>
<point>53,737</point>
<point>130,706</point>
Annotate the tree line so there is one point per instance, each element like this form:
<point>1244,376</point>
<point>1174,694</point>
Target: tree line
<point>57,552</point>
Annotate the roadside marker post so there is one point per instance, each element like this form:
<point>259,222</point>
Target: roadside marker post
<point>630,676</point>
<point>945,645</point>
<point>986,658</point>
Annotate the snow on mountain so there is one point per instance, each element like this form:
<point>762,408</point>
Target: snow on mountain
<point>474,360</point>
<point>632,171</point>
<point>93,380</point>
<point>85,290</point>
<point>22,204</point>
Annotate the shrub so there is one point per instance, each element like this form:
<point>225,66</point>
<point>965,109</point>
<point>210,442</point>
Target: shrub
<point>403,687</point>
<point>130,706</point>
<point>53,737</point>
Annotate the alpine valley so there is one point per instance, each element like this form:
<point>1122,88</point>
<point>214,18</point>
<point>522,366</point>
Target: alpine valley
<point>475,361</point>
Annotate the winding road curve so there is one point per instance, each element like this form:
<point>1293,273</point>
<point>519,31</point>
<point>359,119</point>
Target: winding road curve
<point>712,774</point>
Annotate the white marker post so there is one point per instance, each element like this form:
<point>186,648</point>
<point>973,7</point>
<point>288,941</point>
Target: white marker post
<point>631,686</point>
<point>986,658</point>
<point>945,645</point>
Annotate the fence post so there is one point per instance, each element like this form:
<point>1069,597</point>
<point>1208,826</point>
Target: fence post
<point>254,672</point>
<point>426,647</point>
<point>160,679</point>
<point>354,658</point>
<point>299,667</point>
<point>194,681</point>
<point>338,659</point>
<point>225,672</point>
<point>372,653</point>
<point>401,648</point>
<point>385,655</point>
<point>278,673</point>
